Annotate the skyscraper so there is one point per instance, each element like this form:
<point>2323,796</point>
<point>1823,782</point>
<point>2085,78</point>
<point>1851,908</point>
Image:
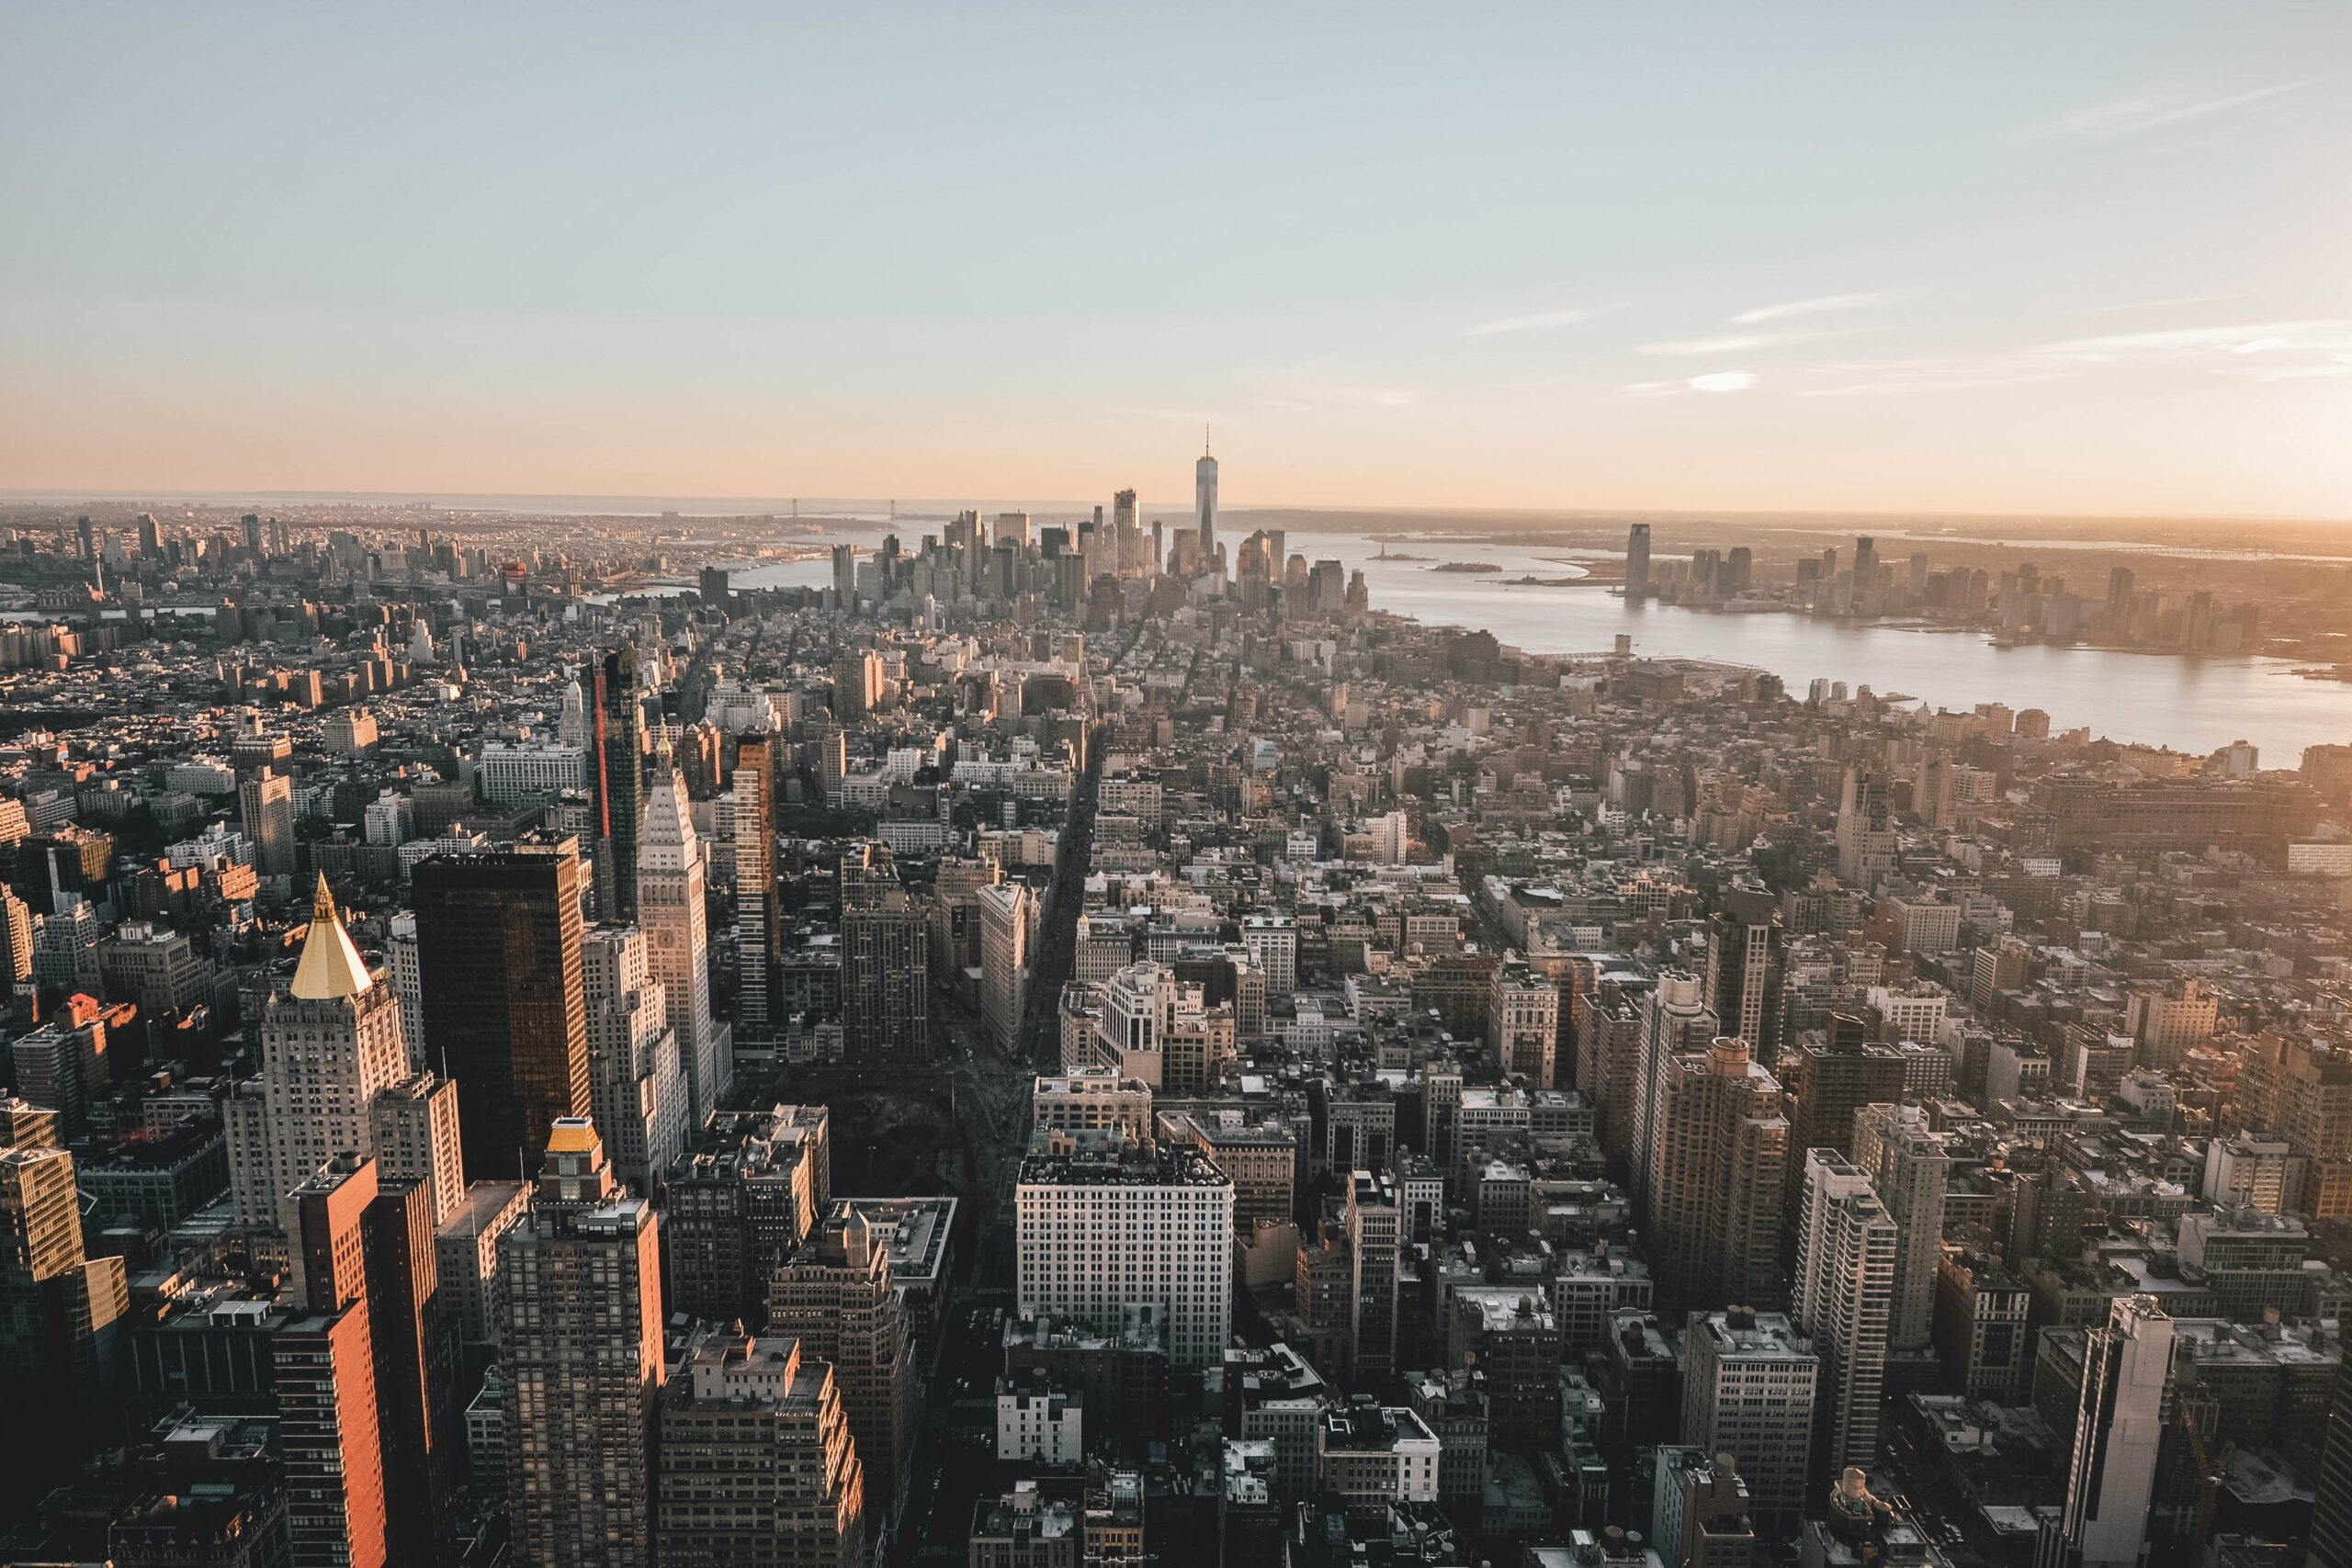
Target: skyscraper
<point>1718,1143</point>
<point>755,907</point>
<point>757,1464</point>
<point>2119,1425</point>
<point>1675,1018</point>
<point>265,806</point>
<point>1523,1021</point>
<point>582,1356</point>
<point>1107,1224</point>
<point>1637,560</point>
<point>834,1295</point>
<point>737,1205</point>
<point>1865,830</point>
<point>408,983</point>
<point>415,1379</point>
<point>886,981</point>
<point>671,886</point>
<point>499,947</point>
<point>416,1139</point>
<point>857,683</point>
<point>2331,1544</point>
<point>1748,1379</point>
<point>331,1043</point>
<point>1374,1250</point>
<point>620,782</point>
<point>1204,502</point>
<point>1701,1511</point>
<point>1828,1081</point>
<point>325,1374</point>
<point>637,1090</point>
<point>1126,535</point>
<point>59,1312</point>
<point>1744,969</point>
<point>1844,1293</point>
<point>1004,958</point>
<point>1909,1166</point>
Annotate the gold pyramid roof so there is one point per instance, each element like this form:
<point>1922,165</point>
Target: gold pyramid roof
<point>330,965</point>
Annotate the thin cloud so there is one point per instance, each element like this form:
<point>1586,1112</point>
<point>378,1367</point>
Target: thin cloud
<point>2154,111</point>
<point>1541,321</point>
<point>1819,305</point>
<point>2253,338</point>
<point>2341,365</point>
<point>1717,382</point>
<point>2258,351</point>
<point>1958,378</point>
<point>2165,304</point>
<point>1735,342</point>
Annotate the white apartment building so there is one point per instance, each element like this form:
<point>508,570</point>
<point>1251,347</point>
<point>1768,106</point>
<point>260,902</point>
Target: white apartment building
<point>2260,1173</point>
<point>2127,1370</point>
<point>1372,1455</point>
<point>1272,943</point>
<point>1038,1424</point>
<point>1914,1014</point>
<point>1092,1099</point>
<point>515,775</point>
<point>1136,1012</point>
<point>1748,1385</point>
<point>1105,1224</point>
<point>1844,1293</point>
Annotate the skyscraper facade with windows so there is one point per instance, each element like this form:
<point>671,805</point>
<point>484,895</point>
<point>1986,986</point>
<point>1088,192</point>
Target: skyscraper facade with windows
<point>498,936</point>
<point>1843,1297</point>
<point>581,1361</point>
<point>672,885</point>
<point>755,905</point>
<point>621,783</point>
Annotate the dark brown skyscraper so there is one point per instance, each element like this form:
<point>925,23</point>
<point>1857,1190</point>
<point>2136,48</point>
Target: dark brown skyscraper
<point>886,963</point>
<point>415,1377</point>
<point>621,783</point>
<point>1827,1081</point>
<point>1744,970</point>
<point>498,935</point>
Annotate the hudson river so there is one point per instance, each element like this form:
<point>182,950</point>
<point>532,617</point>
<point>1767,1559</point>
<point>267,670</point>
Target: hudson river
<point>2194,704</point>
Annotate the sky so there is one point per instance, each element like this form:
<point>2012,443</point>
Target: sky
<point>2041,259</point>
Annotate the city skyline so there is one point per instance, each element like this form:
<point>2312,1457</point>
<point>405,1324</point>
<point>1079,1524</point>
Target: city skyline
<point>2079,264</point>
<point>1702,916</point>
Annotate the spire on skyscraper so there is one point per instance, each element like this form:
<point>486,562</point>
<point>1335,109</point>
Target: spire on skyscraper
<point>330,965</point>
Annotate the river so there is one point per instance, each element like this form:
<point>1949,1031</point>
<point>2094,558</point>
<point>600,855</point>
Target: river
<point>2195,704</point>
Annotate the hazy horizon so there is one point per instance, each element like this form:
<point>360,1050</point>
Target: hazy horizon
<point>838,507</point>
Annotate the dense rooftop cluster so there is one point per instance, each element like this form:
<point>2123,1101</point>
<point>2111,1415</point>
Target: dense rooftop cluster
<point>1065,1040</point>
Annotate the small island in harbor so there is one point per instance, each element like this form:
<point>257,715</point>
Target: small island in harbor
<point>1466,566</point>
